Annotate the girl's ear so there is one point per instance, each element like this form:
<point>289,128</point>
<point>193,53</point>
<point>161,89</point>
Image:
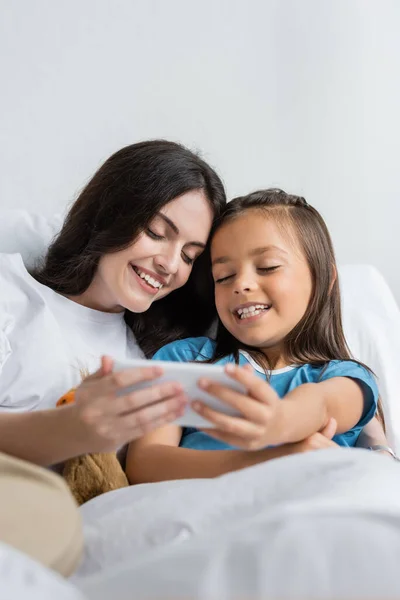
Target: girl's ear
<point>334,277</point>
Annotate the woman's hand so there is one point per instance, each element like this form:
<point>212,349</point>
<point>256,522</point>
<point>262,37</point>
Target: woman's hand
<point>262,423</point>
<point>101,420</point>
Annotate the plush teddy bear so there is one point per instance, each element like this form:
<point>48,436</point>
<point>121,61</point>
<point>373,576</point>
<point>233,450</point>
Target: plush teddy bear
<point>90,475</point>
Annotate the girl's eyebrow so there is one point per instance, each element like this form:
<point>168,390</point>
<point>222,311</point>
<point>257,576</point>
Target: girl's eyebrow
<point>256,252</point>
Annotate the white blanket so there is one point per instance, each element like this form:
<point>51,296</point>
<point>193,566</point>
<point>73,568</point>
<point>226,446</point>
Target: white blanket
<point>322,524</point>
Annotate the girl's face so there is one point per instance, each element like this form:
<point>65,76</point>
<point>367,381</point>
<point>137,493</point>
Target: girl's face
<point>158,262</point>
<point>262,280</point>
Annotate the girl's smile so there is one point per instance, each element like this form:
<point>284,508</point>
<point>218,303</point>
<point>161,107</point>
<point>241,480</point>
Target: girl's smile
<point>263,284</point>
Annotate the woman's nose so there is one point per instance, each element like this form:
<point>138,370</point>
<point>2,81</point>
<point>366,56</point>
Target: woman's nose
<point>168,262</point>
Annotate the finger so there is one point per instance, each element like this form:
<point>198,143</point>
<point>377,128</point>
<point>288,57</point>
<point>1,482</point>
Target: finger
<point>104,369</point>
<point>139,399</point>
<point>117,381</point>
<point>107,365</point>
<point>232,425</point>
<point>251,409</point>
<point>169,417</point>
<point>258,389</point>
<point>142,421</point>
<point>330,429</point>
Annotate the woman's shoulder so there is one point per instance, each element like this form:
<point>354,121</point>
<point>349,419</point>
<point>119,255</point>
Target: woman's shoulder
<point>16,283</point>
<point>14,278</point>
<point>11,264</point>
<point>189,349</point>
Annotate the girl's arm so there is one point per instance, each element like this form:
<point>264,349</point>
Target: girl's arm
<point>157,457</point>
<point>373,435</point>
<point>268,420</point>
<point>307,408</point>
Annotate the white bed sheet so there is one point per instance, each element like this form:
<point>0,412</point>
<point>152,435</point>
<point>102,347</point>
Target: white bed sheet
<point>22,578</point>
<point>317,525</point>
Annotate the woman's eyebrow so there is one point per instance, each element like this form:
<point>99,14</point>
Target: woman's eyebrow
<point>175,229</point>
<point>169,223</point>
<point>256,252</point>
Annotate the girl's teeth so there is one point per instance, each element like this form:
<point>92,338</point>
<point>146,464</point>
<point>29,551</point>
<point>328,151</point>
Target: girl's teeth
<point>251,313</point>
<point>251,309</point>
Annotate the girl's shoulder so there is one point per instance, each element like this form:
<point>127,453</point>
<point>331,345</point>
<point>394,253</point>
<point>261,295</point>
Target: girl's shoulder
<point>187,350</point>
<point>344,367</point>
<point>339,368</point>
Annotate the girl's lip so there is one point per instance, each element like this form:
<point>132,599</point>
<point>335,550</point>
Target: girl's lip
<point>247,304</point>
<point>250,320</point>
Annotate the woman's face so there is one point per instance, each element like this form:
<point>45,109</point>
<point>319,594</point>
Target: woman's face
<point>158,262</point>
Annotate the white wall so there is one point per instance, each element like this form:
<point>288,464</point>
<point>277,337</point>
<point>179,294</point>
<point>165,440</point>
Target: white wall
<point>304,94</point>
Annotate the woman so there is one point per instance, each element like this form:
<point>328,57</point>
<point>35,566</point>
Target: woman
<point>132,238</point>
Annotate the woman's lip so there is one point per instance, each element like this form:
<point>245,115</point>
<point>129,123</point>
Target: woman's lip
<point>143,283</point>
<point>155,276</point>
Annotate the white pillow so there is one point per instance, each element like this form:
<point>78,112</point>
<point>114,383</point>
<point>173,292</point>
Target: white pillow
<point>371,321</point>
<point>27,234</point>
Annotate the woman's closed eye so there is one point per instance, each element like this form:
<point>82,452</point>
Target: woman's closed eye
<point>188,260</point>
<point>158,237</point>
<point>153,235</point>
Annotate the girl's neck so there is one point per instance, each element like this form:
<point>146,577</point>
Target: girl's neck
<point>275,358</point>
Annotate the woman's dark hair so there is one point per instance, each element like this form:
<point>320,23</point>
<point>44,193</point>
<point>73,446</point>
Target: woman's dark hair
<point>116,205</point>
<point>318,338</point>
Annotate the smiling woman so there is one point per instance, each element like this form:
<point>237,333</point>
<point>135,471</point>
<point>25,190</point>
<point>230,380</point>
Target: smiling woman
<point>157,262</point>
<point>128,272</point>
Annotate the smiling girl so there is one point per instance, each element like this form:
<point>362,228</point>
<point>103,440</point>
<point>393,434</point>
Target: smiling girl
<point>279,334</point>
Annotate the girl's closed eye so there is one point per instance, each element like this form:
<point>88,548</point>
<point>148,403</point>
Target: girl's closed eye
<point>266,270</point>
<point>223,278</point>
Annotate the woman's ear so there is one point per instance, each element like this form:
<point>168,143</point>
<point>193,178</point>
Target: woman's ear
<point>333,278</point>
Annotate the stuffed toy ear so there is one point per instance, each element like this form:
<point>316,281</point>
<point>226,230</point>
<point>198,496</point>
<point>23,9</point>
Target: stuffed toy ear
<point>68,398</point>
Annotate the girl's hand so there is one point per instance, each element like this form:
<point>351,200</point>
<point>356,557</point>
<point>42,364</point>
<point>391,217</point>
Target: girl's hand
<point>101,420</point>
<point>262,423</point>
<point>317,441</point>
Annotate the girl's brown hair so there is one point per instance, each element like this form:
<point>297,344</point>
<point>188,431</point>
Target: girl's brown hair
<point>116,205</point>
<point>318,338</point>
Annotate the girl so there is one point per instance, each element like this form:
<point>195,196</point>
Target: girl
<point>280,335</point>
<point>133,236</point>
